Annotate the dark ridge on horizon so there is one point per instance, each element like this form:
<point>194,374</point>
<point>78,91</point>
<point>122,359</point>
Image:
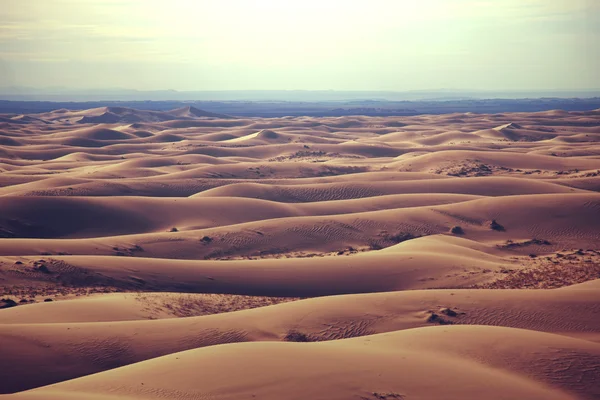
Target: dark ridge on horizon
<point>224,109</point>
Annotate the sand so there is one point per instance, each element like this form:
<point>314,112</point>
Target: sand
<point>186,254</point>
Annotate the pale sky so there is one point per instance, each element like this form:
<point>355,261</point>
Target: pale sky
<point>304,44</point>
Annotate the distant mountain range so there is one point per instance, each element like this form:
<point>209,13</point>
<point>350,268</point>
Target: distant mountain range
<point>19,93</point>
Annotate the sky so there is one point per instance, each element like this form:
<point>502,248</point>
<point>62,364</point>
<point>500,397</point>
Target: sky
<point>392,45</point>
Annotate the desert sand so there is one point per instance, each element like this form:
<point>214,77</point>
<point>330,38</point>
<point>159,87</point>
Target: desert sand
<point>190,255</point>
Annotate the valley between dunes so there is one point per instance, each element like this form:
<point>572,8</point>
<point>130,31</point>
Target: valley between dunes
<point>189,255</point>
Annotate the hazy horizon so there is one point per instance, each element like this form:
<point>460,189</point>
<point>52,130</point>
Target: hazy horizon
<point>382,45</point>
<point>58,94</point>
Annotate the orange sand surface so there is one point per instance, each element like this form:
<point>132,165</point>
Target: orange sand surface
<point>192,255</point>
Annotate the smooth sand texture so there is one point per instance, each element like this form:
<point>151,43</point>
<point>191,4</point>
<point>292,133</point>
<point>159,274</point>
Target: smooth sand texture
<point>452,256</point>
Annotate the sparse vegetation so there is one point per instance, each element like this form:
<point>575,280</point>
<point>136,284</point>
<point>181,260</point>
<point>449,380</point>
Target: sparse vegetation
<point>189,305</point>
<point>457,230</point>
<point>7,303</point>
<point>402,237</point>
<point>511,244</point>
<point>295,336</point>
<point>494,225</point>
<point>375,246</point>
<point>43,269</point>
<point>435,318</point>
<point>385,396</point>
<point>449,312</point>
<point>550,272</point>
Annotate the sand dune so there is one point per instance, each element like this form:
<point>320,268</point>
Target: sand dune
<point>38,217</point>
<point>432,161</point>
<point>193,112</point>
<point>486,187</point>
<point>566,222</point>
<point>384,365</point>
<point>309,276</point>
<point>319,319</point>
<point>176,254</point>
<point>111,115</point>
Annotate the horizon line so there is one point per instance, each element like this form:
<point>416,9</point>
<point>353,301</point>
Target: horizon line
<point>49,88</point>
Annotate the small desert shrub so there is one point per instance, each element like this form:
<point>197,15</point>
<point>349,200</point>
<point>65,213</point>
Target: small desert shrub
<point>436,319</point>
<point>402,237</point>
<point>7,303</point>
<point>295,336</point>
<point>457,230</point>
<point>375,246</point>
<point>449,312</point>
<point>44,269</point>
<point>496,226</point>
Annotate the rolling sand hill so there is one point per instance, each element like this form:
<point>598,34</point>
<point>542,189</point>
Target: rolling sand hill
<point>186,254</point>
